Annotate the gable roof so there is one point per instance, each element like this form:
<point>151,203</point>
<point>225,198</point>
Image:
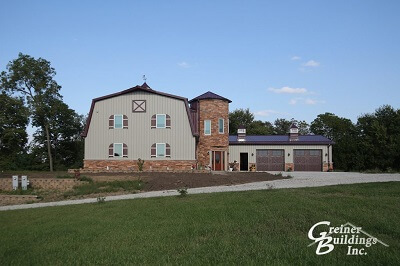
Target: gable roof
<point>210,95</point>
<point>143,87</point>
<point>280,139</point>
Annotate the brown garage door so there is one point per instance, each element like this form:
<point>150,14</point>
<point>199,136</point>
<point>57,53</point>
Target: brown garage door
<point>307,160</point>
<point>270,160</point>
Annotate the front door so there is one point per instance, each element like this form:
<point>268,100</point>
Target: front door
<point>217,161</point>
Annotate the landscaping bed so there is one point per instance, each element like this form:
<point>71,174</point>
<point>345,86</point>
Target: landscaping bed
<point>107,184</point>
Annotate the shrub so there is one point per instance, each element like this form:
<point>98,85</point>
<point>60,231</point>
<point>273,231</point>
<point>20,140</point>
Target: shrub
<point>182,192</point>
<point>140,164</point>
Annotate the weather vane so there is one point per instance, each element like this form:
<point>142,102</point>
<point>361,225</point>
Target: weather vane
<point>144,78</point>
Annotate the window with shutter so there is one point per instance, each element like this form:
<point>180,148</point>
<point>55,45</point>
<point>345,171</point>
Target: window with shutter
<point>154,150</point>
<point>118,148</point>
<point>111,122</point>
<point>161,121</point>
<point>118,121</point>
<point>111,150</point>
<point>161,149</point>
<point>153,121</point>
<point>125,122</point>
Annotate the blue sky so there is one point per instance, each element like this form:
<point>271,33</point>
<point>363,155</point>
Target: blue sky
<point>281,59</point>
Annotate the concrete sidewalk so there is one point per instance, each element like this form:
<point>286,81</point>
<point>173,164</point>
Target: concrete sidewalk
<point>300,179</point>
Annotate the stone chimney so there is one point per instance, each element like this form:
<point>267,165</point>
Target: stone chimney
<point>241,133</point>
<point>293,133</point>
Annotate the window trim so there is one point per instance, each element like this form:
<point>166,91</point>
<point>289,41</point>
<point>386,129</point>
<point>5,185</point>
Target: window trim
<point>122,150</point>
<point>223,126</point>
<point>122,121</point>
<point>209,134</point>
<point>165,150</point>
<point>165,120</point>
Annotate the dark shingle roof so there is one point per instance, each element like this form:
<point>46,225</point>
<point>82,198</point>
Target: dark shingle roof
<point>280,139</point>
<point>209,95</point>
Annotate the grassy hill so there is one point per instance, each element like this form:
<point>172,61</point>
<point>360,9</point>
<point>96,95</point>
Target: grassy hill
<point>254,227</point>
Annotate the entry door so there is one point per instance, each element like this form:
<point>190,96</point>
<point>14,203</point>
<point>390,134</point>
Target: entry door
<point>244,161</point>
<point>217,161</point>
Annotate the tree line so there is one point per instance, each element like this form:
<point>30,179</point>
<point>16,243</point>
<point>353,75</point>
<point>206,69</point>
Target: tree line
<point>372,143</point>
<point>29,95</point>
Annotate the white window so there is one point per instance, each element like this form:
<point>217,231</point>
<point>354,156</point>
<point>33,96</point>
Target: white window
<point>118,121</point>
<point>221,128</point>
<point>161,121</point>
<point>207,127</point>
<point>118,150</point>
<point>160,147</point>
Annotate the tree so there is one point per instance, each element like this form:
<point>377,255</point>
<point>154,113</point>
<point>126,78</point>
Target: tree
<point>343,132</point>
<point>13,136</point>
<point>281,126</point>
<point>239,117</point>
<point>66,142</point>
<point>380,138</point>
<point>258,127</point>
<point>33,79</point>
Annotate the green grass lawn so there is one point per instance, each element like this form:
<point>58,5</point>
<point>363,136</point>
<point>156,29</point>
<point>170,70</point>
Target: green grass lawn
<point>255,227</point>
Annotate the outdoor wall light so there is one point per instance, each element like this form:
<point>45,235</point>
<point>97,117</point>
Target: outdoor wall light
<point>208,153</point>
<point>252,154</point>
<point>288,154</point>
<point>326,155</point>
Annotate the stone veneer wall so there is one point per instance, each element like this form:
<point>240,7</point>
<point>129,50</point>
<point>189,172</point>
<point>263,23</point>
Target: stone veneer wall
<point>212,109</point>
<point>43,183</point>
<point>131,165</point>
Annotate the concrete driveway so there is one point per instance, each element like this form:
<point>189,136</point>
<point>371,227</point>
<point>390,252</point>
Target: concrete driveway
<point>300,179</point>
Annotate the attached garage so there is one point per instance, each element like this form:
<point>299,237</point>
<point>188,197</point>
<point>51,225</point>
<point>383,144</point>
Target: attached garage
<point>307,160</point>
<point>270,160</point>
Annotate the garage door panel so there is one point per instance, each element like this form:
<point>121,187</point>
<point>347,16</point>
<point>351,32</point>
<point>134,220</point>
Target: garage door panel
<point>270,160</point>
<point>307,160</point>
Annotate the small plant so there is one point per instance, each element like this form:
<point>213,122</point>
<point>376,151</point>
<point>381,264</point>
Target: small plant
<point>182,192</point>
<point>101,199</point>
<point>85,178</point>
<point>140,164</point>
<point>289,169</point>
<point>253,168</point>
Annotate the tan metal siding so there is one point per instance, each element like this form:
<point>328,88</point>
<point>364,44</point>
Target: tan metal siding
<point>139,136</point>
<point>235,150</point>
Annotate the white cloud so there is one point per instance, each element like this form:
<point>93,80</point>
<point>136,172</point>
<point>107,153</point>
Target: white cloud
<point>310,101</point>
<point>295,58</point>
<point>289,90</point>
<point>183,64</point>
<point>307,101</point>
<point>266,112</point>
<point>311,63</point>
